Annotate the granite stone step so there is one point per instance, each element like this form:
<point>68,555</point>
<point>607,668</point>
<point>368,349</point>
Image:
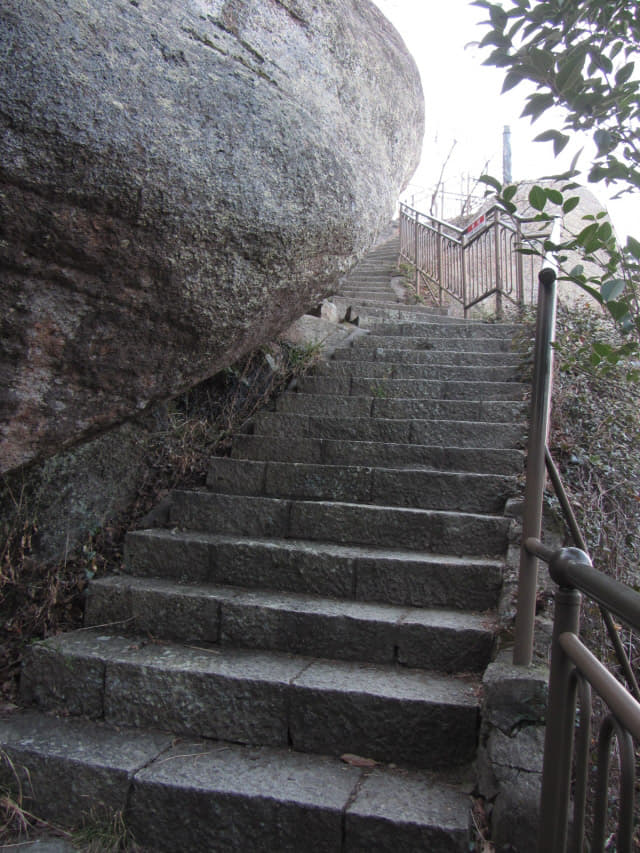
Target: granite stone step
<point>366,350</point>
<point>436,339</point>
<point>410,487</point>
<point>433,531</point>
<point>388,712</point>
<point>380,406</point>
<point>335,452</point>
<point>192,794</point>
<point>430,388</point>
<point>394,430</point>
<point>362,573</point>
<point>341,629</point>
<point>442,371</point>
<point>429,328</point>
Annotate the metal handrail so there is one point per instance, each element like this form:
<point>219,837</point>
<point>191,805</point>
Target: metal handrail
<point>573,667</point>
<point>580,542</point>
<point>470,264</point>
<point>574,670</point>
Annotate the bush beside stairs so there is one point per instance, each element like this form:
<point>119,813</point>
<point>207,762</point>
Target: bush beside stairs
<point>292,662</point>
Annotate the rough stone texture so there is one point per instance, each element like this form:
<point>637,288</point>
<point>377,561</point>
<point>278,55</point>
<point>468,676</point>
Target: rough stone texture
<point>509,764</point>
<point>407,716</point>
<point>227,798</point>
<point>69,768</point>
<point>388,815</point>
<point>179,182</point>
<point>514,695</point>
<point>79,490</point>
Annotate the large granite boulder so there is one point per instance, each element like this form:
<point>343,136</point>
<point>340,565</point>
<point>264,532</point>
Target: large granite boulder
<point>180,179</point>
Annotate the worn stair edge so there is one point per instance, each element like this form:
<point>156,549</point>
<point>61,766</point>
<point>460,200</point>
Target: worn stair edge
<point>427,328</point>
<point>413,387</point>
<point>398,354</point>
<point>419,431</point>
<point>236,797</point>
<point>438,640</point>
<point>391,713</point>
<point>433,531</point>
<point>443,372</point>
<point>317,568</point>
<point>433,341</point>
<point>495,411</point>
<point>321,451</point>
<point>407,487</point>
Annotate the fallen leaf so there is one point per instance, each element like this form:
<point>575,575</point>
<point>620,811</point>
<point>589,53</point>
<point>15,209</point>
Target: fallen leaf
<point>357,760</point>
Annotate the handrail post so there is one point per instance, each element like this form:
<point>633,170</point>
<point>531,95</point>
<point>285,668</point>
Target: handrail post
<point>463,262</point>
<point>415,254</point>
<point>558,743</point>
<point>534,488</point>
<point>498,264</point>
<point>519,265</point>
<point>440,263</point>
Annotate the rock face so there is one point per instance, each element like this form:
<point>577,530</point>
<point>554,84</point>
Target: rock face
<point>180,179</point>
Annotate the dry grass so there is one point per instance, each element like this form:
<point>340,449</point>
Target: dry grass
<point>39,600</point>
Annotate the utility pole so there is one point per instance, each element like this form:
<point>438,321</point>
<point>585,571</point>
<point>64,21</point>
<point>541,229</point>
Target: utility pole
<point>506,155</point>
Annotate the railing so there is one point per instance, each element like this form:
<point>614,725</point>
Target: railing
<point>470,264</point>
<point>574,670</point>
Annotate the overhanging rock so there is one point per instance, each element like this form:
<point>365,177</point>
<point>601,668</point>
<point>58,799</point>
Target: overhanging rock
<point>180,181</point>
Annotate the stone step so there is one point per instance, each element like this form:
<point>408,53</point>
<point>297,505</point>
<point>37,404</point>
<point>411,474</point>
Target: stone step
<point>386,712</point>
<point>367,350</point>
<point>394,430</point>
<point>429,328</point>
<point>198,795</point>
<point>434,388</point>
<point>440,340</point>
<point>437,640</point>
<point>392,576</point>
<point>434,531</point>
<point>343,452</point>
<point>495,411</point>
<point>444,372</point>
<point>379,310</point>
<point>408,487</point>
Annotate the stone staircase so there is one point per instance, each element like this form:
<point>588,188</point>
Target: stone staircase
<point>292,662</point>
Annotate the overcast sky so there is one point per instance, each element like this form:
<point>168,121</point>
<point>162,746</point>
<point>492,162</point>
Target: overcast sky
<point>464,104</point>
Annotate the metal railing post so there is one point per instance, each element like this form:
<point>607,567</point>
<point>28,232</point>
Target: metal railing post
<point>498,264</point>
<point>440,263</point>
<point>463,262</point>
<point>534,489</point>
<point>558,743</point>
<point>519,265</point>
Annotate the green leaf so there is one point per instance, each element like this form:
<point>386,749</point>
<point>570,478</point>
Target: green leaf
<point>633,246</point>
<point>623,74</point>
<point>604,232</point>
<point>604,140</point>
<point>492,182</point>
<point>509,192</point>
<point>570,70</point>
<point>537,104</point>
<point>612,289</point>
<point>554,196</point>
<point>570,204</point>
<point>591,291</point>
<point>537,198</point>
<point>559,140</point>
<point>511,80</point>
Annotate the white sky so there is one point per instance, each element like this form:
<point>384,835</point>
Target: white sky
<point>463,103</point>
